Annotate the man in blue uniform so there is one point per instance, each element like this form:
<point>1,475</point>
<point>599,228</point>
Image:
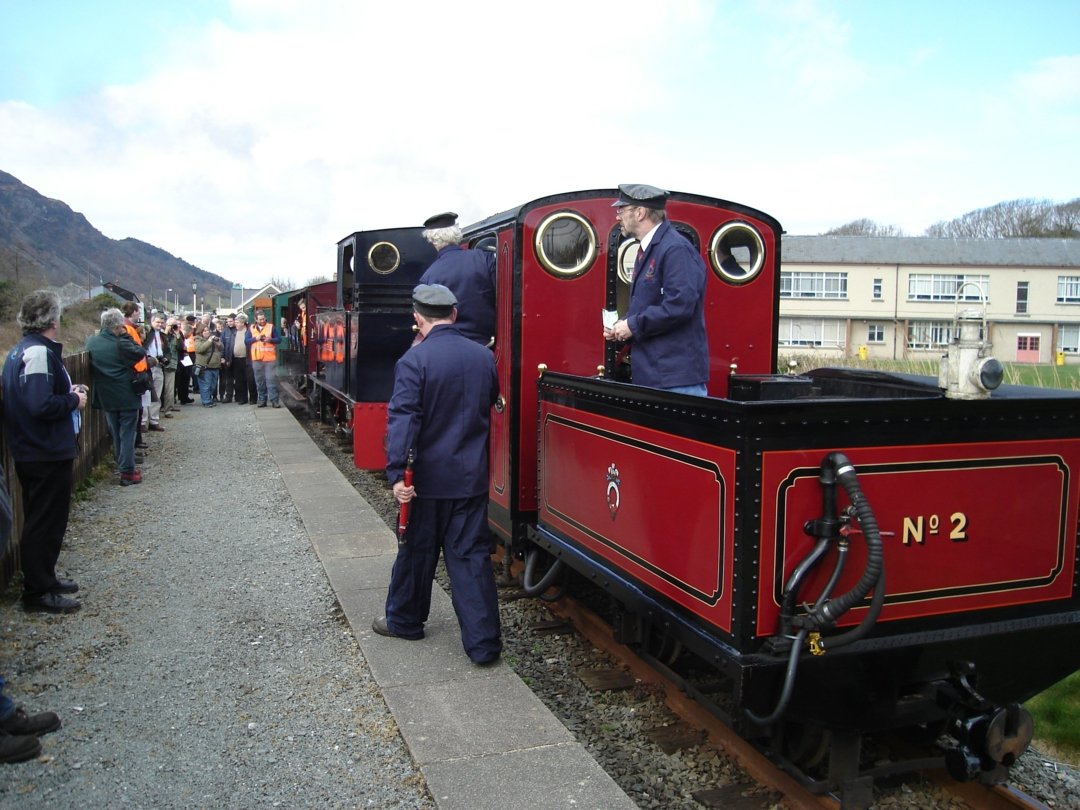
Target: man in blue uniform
<point>469,274</point>
<point>665,322</point>
<point>440,411</point>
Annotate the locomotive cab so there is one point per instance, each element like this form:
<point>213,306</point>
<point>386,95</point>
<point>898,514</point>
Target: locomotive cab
<point>562,261</point>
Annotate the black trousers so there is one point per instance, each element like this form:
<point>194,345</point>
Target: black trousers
<point>225,383</point>
<point>46,490</point>
<point>183,383</point>
<point>238,378</point>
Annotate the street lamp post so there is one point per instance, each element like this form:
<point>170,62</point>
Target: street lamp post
<point>168,297</point>
<point>194,303</point>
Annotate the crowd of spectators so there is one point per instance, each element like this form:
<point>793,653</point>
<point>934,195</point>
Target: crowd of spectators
<point>141,374</point>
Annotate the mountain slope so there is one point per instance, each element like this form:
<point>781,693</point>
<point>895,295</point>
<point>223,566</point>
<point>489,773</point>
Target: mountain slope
<point>44,242</point>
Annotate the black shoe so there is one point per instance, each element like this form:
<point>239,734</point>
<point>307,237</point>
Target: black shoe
<point>19,723</point>
<point>488,662</point>
<point>52,603</point>
<point>262,404</point>
<point>141,445</point>
<point>275,404</point>
<point>18,748</point>
<point>66,586</point>
<point>380,627</point>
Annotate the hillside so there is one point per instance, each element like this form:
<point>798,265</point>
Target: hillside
<point>44,243</point>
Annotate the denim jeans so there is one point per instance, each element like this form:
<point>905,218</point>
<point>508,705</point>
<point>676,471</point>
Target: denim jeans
<point>208,381</point>
<point>265,380</point>
<point>123,425</point>
<point>7,705</point>
<point>698,390</point>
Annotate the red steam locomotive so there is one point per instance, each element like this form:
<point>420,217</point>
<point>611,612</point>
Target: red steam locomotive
<point>851,551</point>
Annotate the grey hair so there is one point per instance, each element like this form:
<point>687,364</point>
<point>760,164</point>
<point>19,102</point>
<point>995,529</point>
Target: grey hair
<point>241,317</point>
<point>441,237</point>
<point>656,215</point>
<point>112,319</point>
<point>40,310</point>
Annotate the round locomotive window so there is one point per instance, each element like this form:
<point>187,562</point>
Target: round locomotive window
<point>384,258</point>
<point>565,244</point>
<point>737,252</point>
<point>627,254</point>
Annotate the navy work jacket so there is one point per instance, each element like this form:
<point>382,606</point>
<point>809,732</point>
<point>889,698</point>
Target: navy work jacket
<point>444,388</point>
<point>470,275</point>
<point>667,314</point>
<point>38,401</point>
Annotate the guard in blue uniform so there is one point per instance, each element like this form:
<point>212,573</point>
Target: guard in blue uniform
<point>469,274</point>
<point>665,322</point>
<point>440,410</point>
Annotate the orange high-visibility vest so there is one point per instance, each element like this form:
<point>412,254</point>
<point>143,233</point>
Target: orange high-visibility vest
<point>264,352</point>
<point>189,343</point>
<point>142,365</point>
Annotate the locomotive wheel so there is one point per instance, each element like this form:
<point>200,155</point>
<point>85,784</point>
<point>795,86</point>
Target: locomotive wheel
<point>662,646</point>
<point>804,744</point>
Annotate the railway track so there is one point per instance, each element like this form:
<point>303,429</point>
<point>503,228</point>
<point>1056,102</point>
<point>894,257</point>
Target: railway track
<point>749,758</point>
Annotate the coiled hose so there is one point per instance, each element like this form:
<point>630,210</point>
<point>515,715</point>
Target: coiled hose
<point>836,468</point>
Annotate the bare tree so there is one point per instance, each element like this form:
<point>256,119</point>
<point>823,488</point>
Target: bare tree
<point>282,284</point>
<point>318,280</point>
<point>864,227</point>
<point>1025,218</point>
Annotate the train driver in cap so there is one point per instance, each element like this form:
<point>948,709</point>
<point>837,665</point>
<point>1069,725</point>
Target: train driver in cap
<point>439,414</point>
<point>665,321</point>
<point>469,274</point>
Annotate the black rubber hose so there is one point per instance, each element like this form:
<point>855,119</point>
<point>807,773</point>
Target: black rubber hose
<point>789,684</point>
<point>833,609</point>
<point>791,588</point>
<point>538,588</point>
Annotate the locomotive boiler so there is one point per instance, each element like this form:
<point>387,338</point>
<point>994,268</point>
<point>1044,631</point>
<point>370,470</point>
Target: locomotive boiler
<point>355,340</point>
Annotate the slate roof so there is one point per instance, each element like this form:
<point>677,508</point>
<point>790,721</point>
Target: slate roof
<point>924,250</point>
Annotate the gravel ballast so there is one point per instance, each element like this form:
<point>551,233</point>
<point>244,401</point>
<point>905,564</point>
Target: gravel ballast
<point>210,665</point>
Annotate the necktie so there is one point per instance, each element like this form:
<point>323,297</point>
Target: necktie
<point>637,260</point>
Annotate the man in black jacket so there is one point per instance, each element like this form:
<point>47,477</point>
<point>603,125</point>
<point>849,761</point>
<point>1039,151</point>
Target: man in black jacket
<point>42,417</point>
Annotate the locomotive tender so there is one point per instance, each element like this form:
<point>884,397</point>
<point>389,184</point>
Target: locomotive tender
<point>851,551</point>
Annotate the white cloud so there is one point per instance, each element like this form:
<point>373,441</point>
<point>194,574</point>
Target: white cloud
<point>251,147</point>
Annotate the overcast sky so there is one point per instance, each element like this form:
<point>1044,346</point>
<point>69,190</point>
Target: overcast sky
<point>247,137</point>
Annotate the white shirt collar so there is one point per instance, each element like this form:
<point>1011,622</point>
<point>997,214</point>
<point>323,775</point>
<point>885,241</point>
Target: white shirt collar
<point>646,240</point>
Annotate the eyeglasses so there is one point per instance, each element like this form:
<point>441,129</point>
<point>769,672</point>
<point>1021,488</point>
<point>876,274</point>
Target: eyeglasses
<point>623,209</point>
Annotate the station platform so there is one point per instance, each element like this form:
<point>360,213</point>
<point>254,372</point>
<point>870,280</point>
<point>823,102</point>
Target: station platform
<point>479,736</point>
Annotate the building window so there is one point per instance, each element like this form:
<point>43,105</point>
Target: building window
<point>877,289</point>
<point>1027,343</point>
<point>799,284</point>
<point>946,287</point>
<point>811,332</point>
<point>1068,290</point>
<point>929,334</point>
<point>1069,338</point>
<point>1021,297</point>
<point>875,333</point>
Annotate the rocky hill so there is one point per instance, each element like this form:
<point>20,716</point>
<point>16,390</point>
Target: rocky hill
<point>44,243</point>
